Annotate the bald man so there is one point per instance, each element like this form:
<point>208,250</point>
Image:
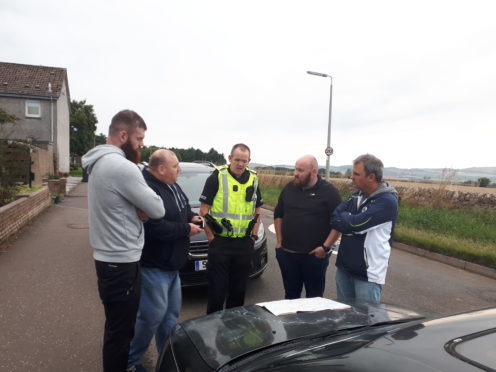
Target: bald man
<point>304,237</point>
<point>164,253</point>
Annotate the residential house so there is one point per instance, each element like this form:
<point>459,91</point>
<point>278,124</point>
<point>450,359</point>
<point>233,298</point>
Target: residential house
<point>39,97</point>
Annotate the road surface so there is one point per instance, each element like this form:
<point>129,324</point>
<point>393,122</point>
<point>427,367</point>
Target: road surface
<point>51,318</point>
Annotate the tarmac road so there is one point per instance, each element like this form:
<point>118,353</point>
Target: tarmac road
<point>51,318</point>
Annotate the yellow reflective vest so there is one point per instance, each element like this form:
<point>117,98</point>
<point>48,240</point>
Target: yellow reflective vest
<point>230,202</point>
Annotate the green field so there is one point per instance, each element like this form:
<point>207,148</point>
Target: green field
<point>466,234</point>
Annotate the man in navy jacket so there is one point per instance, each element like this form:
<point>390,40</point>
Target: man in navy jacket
<point>164,253</point>
<point>366,221</point>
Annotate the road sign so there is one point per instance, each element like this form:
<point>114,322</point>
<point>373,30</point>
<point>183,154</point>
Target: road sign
<point>329,151</point>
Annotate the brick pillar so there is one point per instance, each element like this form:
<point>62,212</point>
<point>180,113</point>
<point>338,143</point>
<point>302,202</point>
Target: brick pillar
<point>62,187</point>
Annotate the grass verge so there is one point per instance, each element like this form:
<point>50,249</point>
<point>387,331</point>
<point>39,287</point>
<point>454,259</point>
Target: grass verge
<point>482,253</point>
<point>76,172</point>
<point>468,234</point>
<point>270,194</point>
<point>475,224</point>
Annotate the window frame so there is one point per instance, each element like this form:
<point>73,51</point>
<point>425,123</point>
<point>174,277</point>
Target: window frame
<point>27,106</point>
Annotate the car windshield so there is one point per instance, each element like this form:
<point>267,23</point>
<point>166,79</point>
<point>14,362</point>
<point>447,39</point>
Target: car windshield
<point>192,184</point>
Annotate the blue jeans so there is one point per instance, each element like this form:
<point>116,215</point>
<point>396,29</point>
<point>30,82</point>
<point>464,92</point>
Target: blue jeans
<point>159,308</point>
<point>350,288</point>
<point>302,269</point>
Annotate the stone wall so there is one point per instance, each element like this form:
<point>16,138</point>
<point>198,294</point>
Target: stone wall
<point>17,214</point>
<point>438,196</point>
<point>446,198</point>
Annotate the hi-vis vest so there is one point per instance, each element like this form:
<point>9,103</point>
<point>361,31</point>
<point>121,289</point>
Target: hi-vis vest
<point>232,205</point>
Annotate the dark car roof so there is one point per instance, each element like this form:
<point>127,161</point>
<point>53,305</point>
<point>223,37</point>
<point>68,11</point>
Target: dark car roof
<point>238,331</point>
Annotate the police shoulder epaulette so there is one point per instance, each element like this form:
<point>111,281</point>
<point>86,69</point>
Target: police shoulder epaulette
<point>223,168</point>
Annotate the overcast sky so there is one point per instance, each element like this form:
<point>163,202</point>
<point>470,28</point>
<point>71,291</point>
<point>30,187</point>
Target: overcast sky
<point>414,82</point>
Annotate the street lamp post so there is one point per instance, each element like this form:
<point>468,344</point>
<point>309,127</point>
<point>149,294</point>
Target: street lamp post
<point>329,150</point>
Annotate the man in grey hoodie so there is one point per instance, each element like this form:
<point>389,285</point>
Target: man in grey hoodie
<point>119,200</point>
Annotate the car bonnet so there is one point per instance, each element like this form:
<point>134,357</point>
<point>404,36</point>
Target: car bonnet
<point>225,335</point>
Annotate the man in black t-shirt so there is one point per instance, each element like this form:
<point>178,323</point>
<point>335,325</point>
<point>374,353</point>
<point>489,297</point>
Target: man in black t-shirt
<point>302,223</point>
<point>232,197</point>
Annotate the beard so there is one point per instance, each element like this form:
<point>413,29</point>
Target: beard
<point>302,181</point>
<point>132,154</point>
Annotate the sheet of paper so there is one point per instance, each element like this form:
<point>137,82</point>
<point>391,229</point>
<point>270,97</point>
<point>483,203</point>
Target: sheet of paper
<point>302,304</point>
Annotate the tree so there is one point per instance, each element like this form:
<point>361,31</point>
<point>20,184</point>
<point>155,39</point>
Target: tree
<point>215,157</point>
<point>82,127</point>
<point>186,155</point>
<point>6,118</point>
<point>100,139</point>
<point>147,151</point>
<point>9,169</point>
<point>192,154</point>
<point>484,182</point>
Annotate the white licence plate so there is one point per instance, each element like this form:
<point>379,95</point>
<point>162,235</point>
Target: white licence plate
<point>201,265</point>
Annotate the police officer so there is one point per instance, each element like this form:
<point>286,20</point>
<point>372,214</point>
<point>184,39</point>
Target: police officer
<point>231,201</point>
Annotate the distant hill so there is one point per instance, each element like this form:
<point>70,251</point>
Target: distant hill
<point>435,174</point>
<point>412,174</point>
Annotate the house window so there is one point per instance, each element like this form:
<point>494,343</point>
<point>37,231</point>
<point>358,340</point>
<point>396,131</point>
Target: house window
<point>33,109</point>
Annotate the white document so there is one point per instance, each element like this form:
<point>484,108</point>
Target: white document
<point>302,304</point>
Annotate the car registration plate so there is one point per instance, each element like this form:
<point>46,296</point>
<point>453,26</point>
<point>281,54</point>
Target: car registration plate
<point>201,265</point>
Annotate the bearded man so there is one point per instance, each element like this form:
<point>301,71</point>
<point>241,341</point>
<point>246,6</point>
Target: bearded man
<point>119,200</point>
<point>303,230</point>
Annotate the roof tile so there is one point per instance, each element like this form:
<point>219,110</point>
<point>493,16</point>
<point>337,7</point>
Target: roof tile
<point>31,80</point>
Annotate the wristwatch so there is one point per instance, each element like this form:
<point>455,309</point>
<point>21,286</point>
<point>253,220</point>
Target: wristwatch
<point>326,249</point>
<point>254,237</point>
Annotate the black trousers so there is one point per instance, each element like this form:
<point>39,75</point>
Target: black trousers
<point>302,269</point>
<point>228,268</point>
<point>119,286</point>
